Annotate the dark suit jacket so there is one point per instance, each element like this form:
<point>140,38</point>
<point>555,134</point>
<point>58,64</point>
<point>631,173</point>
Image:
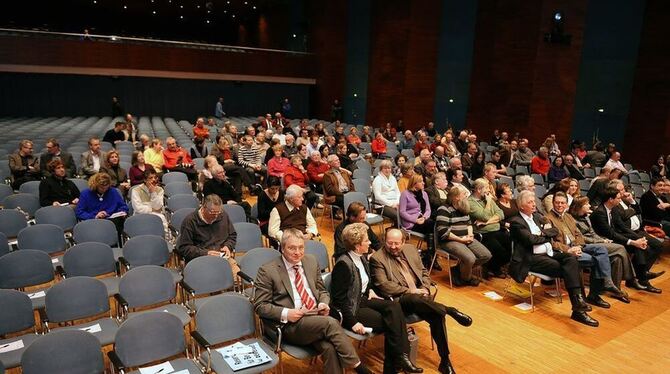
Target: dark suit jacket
<point>524,241</point>
<point>346,287</point>
<point>575,172</point>
<point>435,200</point>
<point>66,159</point>
<point>616,230</point>
<point>650,211</point>
<point>331,186</point>
<point>274,291</point>
<point>17,168</point>
<point>386,275</point>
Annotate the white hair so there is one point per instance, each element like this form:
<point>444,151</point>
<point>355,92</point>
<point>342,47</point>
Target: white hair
<point>293,191</point>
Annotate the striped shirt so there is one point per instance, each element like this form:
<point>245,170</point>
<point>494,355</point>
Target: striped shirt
<point>452,220</point>
<point>249,155</point>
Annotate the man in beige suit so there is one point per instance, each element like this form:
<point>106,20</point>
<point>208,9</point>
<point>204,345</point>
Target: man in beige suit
<point>290,291</point>
<point>397,272</point>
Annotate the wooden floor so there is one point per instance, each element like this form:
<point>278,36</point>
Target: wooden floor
<point>631,338</point>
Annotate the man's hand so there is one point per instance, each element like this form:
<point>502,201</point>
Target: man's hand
<point>323,309</point>
<point>575,251</point>
<point>421,291</point>
<point>467,239</point>
<point>214,253</point>
<point>294,315</point>
<point>640,243</point>
<point>56,203</point>
<point>231,202</point>
<point>101,215</point>
<point>373,295</point>
<point>225,250</point>
<point>358,328</point>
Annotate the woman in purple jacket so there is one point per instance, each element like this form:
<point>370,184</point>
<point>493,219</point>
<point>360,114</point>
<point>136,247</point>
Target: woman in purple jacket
<point>414,211</point>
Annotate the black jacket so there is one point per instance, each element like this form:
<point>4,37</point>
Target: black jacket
<point>55,189</point>
<point>345,288</point>
<point>615,230</point>
<point>650,211</point>
<point>524,241</point>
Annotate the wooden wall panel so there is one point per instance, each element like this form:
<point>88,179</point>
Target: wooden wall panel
<point>648,127</point>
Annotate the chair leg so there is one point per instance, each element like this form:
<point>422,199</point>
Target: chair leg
<point>532,301</point>
<point>559,296</point>
<point>451,282</point>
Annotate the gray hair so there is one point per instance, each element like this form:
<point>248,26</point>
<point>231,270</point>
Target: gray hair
<point>524,197</point>
<point>385,164</point>
<point>480,183</point>
<point>332,158</point>
<point>291,234</point>
<point>293,191</point>
<point>522,181</point>
<point>211,201</point>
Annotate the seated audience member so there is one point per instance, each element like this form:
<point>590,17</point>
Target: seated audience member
<point>548,198</point>
<point>526,183</point>
<point>200,131</point>
<point>441,161</point>
<point>354,298</point>
<point>659,170</point>
<point>262,144</point>
<point>118,175</point>
<point>414,214</point>
<point>598,186</point>
<point>92,160</point>
<point>130,129</point>
<point>386,191</point>
<point>407,172</point>
<point>154,155</point>
<point>407,141</point>
<point>336,182</point>
<point>295,174</point>
<point>115,135</point>
<point>456,236</point>
<point>277,302</point>
<point>557,171</point>
<point>56,189</point>
<point>222,150</point>
<point>249,157</point>
<point>314,143</point>
<point>292,214</point>
<point>506,202</point>
<point>399,161</point>
<point>570,240</point>
<point>144,143</point>
<point>450,148</point>
<point>619,259</point>
<point>100,201</point>
<point>208,232</point>
<point>552,146</point>
<point>615,163</point>
<point>523,155</point>
<point>655,207</point>
<point>206,173</point>
<point>533,252</point>
<point>462,142</point>
<point>378,146</point>
<point>175,158</point>
<point>574,171</point>
<point>366,136</point>
<point>304,157</point>
<point>469,158</point>
<point>455,177</point>
<point>23,165</point>
<point>540,164</point>
<point>278,163</point>
<point>226,158</point>
<point>496,160</point>
<point>54,152</point>
<point>616,220</point>
<point>455,164</point>
<point>412,290</point>
<point>421,161</point>
<point>220,186</point>
<point>199,148</point>
<point>316,169</point>
<point>136,172</point>
<point>347,155</point>
<point>437,192</point>
<point>487,216</point>
<point>477,168</point>
<point>147,198</point>
<point>421,144</point>
<point>490,176</point>
<point>271,196</point>
<point>355,214</point>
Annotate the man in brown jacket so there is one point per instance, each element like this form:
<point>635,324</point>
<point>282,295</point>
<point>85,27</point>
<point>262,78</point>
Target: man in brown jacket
<point>397,272</point>
<point>336,182</point>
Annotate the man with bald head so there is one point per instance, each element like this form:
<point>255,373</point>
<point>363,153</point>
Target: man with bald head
<point>397,272</point>
<point>441,160</point>
<point>615,163</point>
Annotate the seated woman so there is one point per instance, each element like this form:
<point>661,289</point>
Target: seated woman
<point>557,171</point>
<point>199,148</point>
<point>136,172</point>
<point>100,201</point>
<point>415,214</point>
<point>379,146</point>
<point>399,161</point>
<point>118,175</point>
<point>56,189</point>
<point>267,201</point>
<point>355,214</point>
<point>296,174</point>
<point>148,197</point>
<point>506,202</point>
<point>361,307</point>
<point>486,216</point>
<point>278,163</point>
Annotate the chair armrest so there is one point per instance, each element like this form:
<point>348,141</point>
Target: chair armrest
<point>124,262</point>
<point>337,314</point>
<point>60,271</point>
<point>245,277</point>
<point>188,288</point>
<point>200,339</point>
<point>122,310</point>
<point>115,360</point>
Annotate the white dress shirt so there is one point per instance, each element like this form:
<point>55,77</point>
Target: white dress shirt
<point>297,301</point>
<point>275,221</point>
<point>535,230</point>
<point>356,258</point>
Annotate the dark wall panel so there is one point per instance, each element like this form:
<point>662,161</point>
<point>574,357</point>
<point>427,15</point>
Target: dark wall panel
<point>358,62</point>
<point>68,95</point>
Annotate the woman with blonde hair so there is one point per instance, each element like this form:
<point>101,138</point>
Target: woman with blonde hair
<point>118,175</point>
<point>100,201</point>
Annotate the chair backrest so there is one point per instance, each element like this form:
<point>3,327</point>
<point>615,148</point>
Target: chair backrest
<point>4,245</point>
<point>254,211</point>
<point>174,176</point>
<point>57,215</point>
<point>11,222</point>
<point>177,217</point>
<point>327,279</point>
<point>149,337</point>
<point>319,251</point>
<point>16,313</point>
<point>5,190</point>
<point>235,213</point>
<point>143,224</point>
<point>177,202</point>
<point>25,268</point>
<point>363,174</point>
<point>248,236</point>
<point>76,298</point>
<point>146,250</point>
<point>81,184</point>
<point>225,317</point>
<point>63,352</point>
<point>362,185</point>
<point>352,196</point>
<point>89,259</point>
<point>177,188</point>
<point>29,203</point>
<point>147,285</point>
<point>256,258</point>
<point>31,187</point>
<point>207,274</point>
<point>96,230</point>
<point>45,237</point>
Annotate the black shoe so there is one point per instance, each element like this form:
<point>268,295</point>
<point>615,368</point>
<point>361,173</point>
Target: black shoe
<point>474,282</point>
<point>403,363</point>
<point>621,297</point>
<point>597,301</point>
<point>651,275</point>
<point>362,369</point>
<point>579,304</point>
<point>633,283</point>
<point>499,274</point>
<point>584,318</point>
<point>458,316</point>
<point>650,288</point>
<point>445,367</point>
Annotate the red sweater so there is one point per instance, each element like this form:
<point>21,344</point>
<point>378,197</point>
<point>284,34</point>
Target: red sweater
<point>313,171</point>
<point>292,175</point>
<point>539,165</point>
<point>378,146</point>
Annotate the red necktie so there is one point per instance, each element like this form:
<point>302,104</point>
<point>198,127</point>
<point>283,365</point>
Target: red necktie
<point>307,301</point>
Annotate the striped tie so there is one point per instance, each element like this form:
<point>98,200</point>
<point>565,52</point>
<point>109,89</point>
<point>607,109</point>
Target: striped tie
<point>307,301</point>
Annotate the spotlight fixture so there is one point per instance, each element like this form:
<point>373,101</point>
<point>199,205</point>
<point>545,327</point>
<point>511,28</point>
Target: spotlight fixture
<point>601,110</point>
<point>557,34</point>
<point>451,100</point>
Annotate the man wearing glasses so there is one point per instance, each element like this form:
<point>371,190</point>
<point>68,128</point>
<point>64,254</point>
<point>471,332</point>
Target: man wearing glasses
<point>23,165</point>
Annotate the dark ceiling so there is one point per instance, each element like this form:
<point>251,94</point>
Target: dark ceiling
<point>215,21</point>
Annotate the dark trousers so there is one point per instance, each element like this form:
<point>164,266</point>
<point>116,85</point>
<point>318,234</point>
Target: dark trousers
<point>234,175</point>
<point>643,260</point>
<point>433,313</point>
<point>386,316</point>
<point>500,246</point>
<point>311,199</point>
<point>560,265</point>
